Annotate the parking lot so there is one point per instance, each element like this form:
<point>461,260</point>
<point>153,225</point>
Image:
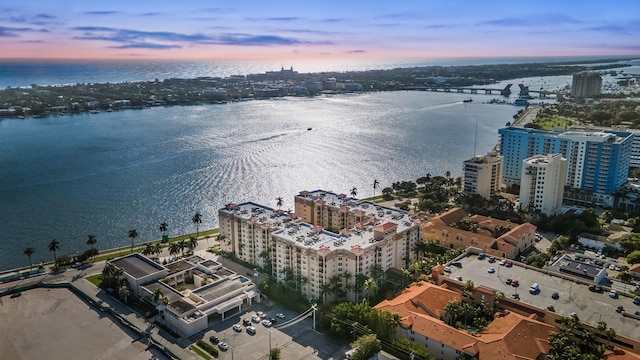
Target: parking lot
<point>591,307</point>
<point>55,324</point>
<point>298,341</point>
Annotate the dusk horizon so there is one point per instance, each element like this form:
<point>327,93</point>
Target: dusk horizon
<point>335,30</point>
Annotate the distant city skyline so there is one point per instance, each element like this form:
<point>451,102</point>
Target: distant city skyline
<point>321,29</point>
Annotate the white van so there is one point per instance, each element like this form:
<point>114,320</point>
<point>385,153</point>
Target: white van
<point>534,288</point>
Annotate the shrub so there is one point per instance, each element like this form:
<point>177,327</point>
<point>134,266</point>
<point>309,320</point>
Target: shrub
<point>207,347</point>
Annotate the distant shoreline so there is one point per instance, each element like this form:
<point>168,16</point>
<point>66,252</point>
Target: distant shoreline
<point>55,100</point>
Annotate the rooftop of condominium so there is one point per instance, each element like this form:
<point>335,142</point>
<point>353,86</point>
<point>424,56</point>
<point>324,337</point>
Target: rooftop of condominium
<point>261,214</point>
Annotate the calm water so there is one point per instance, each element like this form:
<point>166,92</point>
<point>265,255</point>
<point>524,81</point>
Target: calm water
<point>67,177</point>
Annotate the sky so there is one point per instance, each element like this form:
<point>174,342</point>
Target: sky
<point>185,29</point>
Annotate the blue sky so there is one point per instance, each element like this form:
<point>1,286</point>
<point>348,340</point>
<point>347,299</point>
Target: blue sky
<point>316,29</point>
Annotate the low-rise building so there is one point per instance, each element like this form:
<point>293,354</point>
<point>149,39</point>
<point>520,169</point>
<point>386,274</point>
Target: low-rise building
<point>198,291</point>
<point>492,236</point>
<point>509,336</point>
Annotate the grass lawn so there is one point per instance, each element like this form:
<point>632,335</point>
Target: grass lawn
<point>201,353</point>
<point>95,279</point>
<point>549,123</point>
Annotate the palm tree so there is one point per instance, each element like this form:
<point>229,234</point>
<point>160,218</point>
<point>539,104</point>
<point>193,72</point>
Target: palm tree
<point>375,186</point>
<point>279,202</point>
<point>192,244</point>
<point>132,234</point>
<point>148,250</point>
<point>91,240</point>
<point>174,248</point>
<point>29,251</point>
<point>371,286</point>
<point>124,292</point>
<point>197,220</point>
<point>163,229</point>
<point>54,245</point>
<point>183,245</point>
<point>354,191</point>
<point>157,249</point>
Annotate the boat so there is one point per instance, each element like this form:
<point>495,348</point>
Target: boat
<point>309,129</point>
<point>467,100</point>
<point>94,112</point>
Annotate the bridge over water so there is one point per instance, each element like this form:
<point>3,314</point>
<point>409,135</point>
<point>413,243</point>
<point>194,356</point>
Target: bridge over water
<point>524,90</point>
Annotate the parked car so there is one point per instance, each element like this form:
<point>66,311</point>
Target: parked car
<point>515,283</point>
<point>260,314</point>
<point>508,264</point>
<point>516,296</point>
<point>619,309</point>
<point>534,289</point>
<point>223,346</point>
<point>592,288</point>
<point>251,330</point>
<point>246,322</point>
<point>613,294</point>
<point>636,300</point>
<point>612,267</point>
<point>491,270</point>
<point>272,320</point>
<point>637,313</point>
<point>237,328</point>
<point>481,256</point>
<point>459,278</point>
<point>509,281</point>
<point>457,264</point>
<point>599,289</point>
<point>266,323</point>
<point>255,318</point>
<point>280,315</point>
<point>551,308</point>
<point>555,296</point>
<point>447,269</point>
<point>214,339</point>
<point>502,262</point>
<point>492,259</point>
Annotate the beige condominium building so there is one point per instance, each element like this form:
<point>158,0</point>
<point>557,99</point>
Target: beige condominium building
<point>542,183</point>
<point>483,175</point>
<point>329,240</point>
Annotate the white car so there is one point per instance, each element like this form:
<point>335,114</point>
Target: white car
<point>255,318</point>
<point>280,315</point>
<point>223,346</point>
<point>266,323</point>
<point>251,330</point>
<point>237,328</point>
<point>612,267</point>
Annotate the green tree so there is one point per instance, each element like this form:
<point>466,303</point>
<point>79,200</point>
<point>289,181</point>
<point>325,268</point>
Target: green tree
<point>633,257</point>
<point>375,186</point>
<point>192,244</point>
<point>274,354</point>
<point>174,248</point>
<point>54,246</point>
<point>163,228</point>
<point>279,202</point>
<point>132,235</point>
<point>197,220</point>
<point>367,346</point>
<point>29,251</point>
<point>91,241</point>
<point>354,191</point>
